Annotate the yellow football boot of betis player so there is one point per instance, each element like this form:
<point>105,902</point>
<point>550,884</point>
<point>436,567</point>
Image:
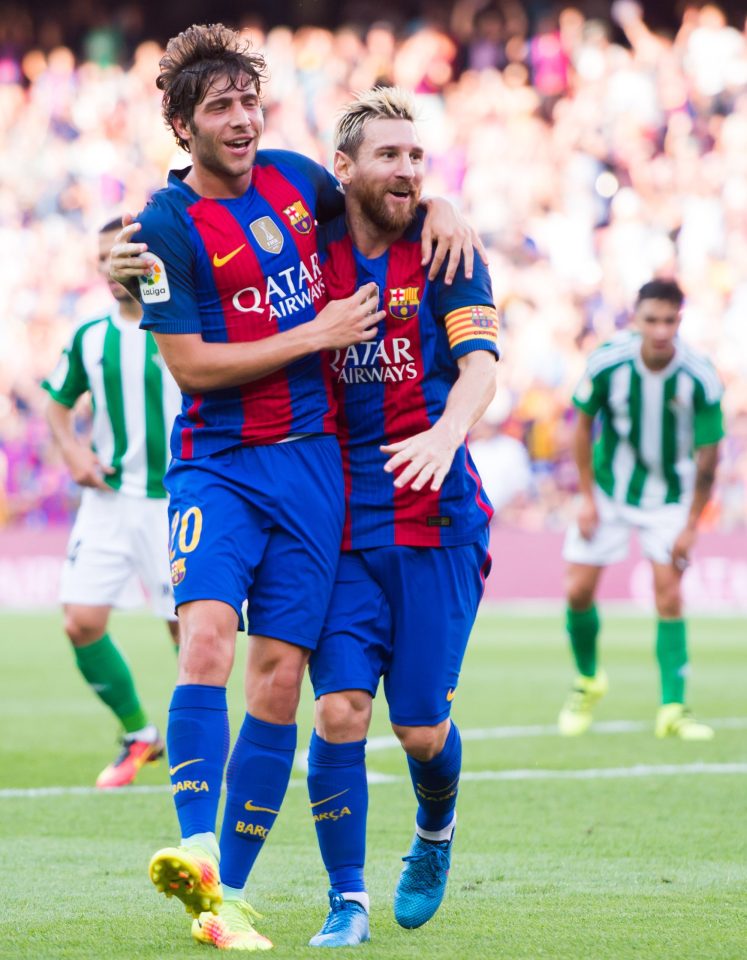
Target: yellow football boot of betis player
<point>675,720</point>
<point>232,928</point>
<point>190,874</point>
<point>576,716</point>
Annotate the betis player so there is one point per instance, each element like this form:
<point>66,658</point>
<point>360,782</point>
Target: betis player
<point>415,540</point>
<point>121,530</point>
<point>651,470</point>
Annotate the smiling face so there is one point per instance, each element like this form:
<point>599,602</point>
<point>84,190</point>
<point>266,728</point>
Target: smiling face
<point>658,322</point>
<point>223,137</point>
<point>385,178</point>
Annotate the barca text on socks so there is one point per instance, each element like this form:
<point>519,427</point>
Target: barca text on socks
<point>197,740</point>
<point>338,795</point>
<point>256,781</point>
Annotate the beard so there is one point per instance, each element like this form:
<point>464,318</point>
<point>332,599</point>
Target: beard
<point>373,203</point>
<point>206,149</point>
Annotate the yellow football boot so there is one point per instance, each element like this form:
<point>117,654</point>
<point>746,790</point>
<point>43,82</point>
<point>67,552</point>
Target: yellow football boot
<point>576,716</point>
<point>190,874</point>
<point>232,928</point>
<point>675,720</point>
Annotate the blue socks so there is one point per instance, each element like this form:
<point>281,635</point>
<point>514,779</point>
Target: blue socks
<point>256,781</point>
<point>338,793</point>
<point>436,783</point>
<point>197,739</point>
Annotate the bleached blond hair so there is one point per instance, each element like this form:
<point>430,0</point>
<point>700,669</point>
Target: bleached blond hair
<point>387,103</point>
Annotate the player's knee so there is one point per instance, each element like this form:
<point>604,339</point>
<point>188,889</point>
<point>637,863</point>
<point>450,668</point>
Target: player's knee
<point>422,743</point>
<point>273,685</point>
<point>669,605</point>
<point>205,656</point>
<point>81,629</point>
<point>580,595</point>
<point>343,717</point>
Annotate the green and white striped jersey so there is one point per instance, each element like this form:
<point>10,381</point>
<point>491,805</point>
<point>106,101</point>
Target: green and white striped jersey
<point>651,421</point>
<point>135,399</point>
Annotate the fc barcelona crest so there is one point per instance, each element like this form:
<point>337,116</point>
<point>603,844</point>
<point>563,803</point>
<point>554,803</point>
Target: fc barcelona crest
<point>299,216</point>
<point>178,570</point>
<point>404,302</point>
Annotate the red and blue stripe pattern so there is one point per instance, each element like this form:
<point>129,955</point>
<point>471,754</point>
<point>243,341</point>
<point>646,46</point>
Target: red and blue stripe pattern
<point>252,270</point>
<point>395,387</point>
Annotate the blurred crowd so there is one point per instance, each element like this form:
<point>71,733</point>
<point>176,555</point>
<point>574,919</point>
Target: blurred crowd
<point>590,152</point>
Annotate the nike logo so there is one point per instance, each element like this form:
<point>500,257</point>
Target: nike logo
<point>222,261</point>
<point>450,694</point>
<point>173,770</point>
<point>333,797</point>
<point>251,808</point>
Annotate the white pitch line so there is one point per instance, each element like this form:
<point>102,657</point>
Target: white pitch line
<point>377,744</point>
<point>599,773</point>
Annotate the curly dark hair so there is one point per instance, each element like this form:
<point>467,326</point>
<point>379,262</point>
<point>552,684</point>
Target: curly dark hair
<point>192,62</point>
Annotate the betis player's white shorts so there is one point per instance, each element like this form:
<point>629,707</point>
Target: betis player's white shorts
<point>657,529</point>
<point>118,542</point>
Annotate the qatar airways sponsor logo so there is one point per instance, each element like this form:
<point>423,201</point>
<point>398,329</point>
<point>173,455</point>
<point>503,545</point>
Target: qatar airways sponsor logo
<point>287,291</point>
<point>389,361</point>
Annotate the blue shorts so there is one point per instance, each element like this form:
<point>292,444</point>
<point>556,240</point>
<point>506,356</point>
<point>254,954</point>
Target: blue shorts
<point>262,524</point>
<point>404,613</point>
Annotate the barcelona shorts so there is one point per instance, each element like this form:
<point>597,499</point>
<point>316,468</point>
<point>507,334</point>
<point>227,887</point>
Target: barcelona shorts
<point>263,525</point>
<point>404,613</point>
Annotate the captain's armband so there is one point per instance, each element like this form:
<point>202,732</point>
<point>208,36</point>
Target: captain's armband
<point>469,324</point>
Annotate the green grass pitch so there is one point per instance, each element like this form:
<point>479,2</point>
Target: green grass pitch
<point>611,846</point>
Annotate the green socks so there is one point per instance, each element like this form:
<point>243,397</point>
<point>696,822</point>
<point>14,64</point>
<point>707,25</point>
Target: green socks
<point>583,629</point>
<point>671,652</point>
<point>107,673</point>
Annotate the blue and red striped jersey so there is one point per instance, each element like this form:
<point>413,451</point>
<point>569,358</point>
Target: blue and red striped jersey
<point>397,385</point>
<point>241,270</point>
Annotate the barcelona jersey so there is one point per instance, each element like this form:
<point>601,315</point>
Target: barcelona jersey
<point>397,385</point>
<point>237,270</point>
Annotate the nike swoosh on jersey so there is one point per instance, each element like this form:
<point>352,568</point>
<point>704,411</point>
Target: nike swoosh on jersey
<point>333,797</point>
<point>222,261</point>
<point>186,763</point>
<point>251,808</point>
<point>450,694</point>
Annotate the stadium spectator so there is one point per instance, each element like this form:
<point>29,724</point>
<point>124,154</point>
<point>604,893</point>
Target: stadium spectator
<point>651,472</point>
<point>639,170</point>
<point>241,329</point>
<point>121,530</point>
<point>415,542</point>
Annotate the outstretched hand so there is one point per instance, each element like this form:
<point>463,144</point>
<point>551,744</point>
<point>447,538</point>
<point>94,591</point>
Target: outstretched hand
<point>428,457</point>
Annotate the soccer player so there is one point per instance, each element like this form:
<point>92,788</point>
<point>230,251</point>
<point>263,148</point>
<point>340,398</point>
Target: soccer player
<point>121,529</point>
<point>415,544</point>
<point>651,470</point>
<point>237,303</point>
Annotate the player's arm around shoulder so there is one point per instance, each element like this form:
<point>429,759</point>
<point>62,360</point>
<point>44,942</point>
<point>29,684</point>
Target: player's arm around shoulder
<point>199,366</point>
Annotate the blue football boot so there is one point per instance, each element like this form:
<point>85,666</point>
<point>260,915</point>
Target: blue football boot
<point>422,883</point>
<point>346,924</point>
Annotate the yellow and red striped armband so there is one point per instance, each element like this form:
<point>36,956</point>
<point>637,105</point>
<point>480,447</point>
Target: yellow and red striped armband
<point>472,323</point>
